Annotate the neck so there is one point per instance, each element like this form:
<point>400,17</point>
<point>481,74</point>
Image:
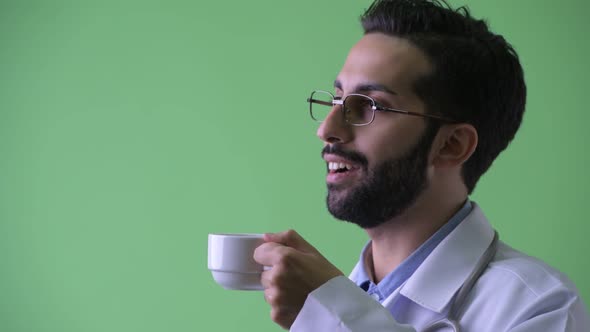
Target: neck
<point>393,241</point>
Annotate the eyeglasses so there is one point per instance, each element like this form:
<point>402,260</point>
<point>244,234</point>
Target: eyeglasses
<point>358,109</point>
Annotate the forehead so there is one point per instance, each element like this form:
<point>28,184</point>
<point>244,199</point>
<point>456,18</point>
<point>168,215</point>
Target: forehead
<point>383,59</point>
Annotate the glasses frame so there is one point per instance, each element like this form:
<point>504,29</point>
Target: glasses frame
<point>374,106</point>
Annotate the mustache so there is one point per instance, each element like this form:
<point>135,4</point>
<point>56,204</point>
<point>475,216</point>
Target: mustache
<point>353,156</point>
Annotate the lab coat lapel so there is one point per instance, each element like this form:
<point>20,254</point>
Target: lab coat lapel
<point>444,271</point>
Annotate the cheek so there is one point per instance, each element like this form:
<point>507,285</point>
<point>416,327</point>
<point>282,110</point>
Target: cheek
<point>386,142</point>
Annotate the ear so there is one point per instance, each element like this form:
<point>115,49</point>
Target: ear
<point>454,145</point>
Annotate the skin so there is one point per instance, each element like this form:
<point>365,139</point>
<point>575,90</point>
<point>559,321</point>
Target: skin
<point>394,64</point>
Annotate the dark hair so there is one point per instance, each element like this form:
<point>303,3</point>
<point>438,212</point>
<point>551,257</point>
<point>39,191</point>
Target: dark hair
<point>476,79</point>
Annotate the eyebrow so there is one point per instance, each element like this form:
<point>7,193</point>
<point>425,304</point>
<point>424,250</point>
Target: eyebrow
<point>365,87</point>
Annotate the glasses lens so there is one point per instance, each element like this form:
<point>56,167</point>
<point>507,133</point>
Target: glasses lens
<point>358,110</point>
<point>320,104</point>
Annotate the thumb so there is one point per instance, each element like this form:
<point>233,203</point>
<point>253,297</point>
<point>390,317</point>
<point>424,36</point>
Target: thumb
<point>290,238</point>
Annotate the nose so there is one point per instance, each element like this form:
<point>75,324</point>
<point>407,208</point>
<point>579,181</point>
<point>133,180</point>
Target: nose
<point>334,128</point>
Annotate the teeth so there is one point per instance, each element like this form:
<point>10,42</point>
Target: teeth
<point>336,166</point>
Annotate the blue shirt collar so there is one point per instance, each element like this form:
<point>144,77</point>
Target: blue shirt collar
<point>397,277</point>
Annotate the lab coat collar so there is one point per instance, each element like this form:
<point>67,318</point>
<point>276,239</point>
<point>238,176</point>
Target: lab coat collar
<point>445,270</point>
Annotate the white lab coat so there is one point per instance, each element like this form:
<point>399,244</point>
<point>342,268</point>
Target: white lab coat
<point>516,293</point>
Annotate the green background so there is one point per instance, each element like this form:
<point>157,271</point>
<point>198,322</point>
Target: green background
<point>131,130</point>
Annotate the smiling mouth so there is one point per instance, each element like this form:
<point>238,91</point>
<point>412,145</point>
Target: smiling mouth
<point>334,167</point>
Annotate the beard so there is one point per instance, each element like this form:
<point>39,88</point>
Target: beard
<point>389,188</point>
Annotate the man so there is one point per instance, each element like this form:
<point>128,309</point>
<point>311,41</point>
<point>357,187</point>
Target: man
<point>424,103</point>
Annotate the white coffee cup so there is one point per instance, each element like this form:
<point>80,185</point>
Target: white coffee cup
<point>231,261</point>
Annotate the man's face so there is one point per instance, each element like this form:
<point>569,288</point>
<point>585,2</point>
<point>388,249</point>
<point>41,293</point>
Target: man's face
<point>386,161</point>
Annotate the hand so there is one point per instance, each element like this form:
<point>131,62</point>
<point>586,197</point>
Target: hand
<point>297,269</point>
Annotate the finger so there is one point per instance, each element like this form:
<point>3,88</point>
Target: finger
<point>272,253</point>
<point>266,279</point>
<point>269,295</point>
<point>291,239</point>
<point>265,254</point>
